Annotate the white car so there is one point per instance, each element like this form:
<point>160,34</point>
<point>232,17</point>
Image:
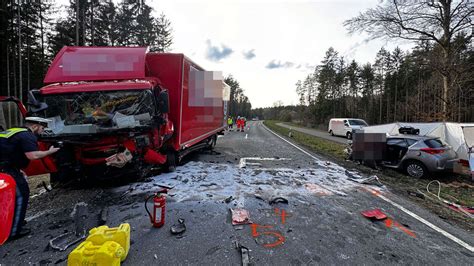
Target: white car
<point>344,126</point>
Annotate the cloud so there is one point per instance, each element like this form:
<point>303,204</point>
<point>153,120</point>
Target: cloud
<point>278,64</point>
<point>249,54</point>
<point>216,53</point>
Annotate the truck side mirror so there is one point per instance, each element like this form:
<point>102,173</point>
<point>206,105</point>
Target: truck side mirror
<point>35,105</point>
<point>163,102</point>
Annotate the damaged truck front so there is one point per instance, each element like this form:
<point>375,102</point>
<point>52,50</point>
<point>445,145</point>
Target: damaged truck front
<point>119,111</point>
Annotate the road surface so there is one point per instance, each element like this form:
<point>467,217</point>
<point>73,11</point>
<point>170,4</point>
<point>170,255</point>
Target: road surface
<point>320,224</point>
<point>316,133</point>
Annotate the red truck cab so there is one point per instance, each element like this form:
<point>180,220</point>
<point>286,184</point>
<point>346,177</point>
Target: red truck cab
<point>120,111</point>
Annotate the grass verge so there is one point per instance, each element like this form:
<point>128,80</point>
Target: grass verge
<point>454,188</point>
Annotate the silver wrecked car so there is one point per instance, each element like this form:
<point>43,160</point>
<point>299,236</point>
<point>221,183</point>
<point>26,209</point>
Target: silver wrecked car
<point>419,155</point>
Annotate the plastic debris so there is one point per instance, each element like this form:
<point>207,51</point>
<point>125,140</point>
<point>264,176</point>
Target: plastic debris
<point>179,228</point>
<point>240,216</point>
<point>119,159</point>
<point>375,214</point>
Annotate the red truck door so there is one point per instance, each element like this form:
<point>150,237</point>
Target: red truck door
<point>12,114</point>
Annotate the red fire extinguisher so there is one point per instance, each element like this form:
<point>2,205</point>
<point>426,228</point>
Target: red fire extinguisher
<point>159,204</point>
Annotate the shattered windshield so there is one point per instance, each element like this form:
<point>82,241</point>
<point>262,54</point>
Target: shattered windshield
<point>89,111</point>
<point>357,122</point>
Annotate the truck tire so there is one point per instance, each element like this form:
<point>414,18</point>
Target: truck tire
<point>212,142</point>
<point>171,161</point>
<point>331,133</point>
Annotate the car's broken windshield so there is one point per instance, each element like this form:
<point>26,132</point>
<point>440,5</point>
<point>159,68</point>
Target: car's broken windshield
<point>88,112</point>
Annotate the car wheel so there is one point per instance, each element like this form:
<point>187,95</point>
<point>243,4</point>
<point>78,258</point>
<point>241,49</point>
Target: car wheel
<point>330,132</point>
<point>349,135</point>
<point>416,169</point>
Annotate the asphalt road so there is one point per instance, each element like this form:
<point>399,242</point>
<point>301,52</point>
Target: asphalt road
<point>320,224</point>
<point>316,133</point>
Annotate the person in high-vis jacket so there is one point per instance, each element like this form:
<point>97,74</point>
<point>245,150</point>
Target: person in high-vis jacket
<point>17,147</point>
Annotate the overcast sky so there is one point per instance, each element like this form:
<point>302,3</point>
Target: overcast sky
<point>267,45</point>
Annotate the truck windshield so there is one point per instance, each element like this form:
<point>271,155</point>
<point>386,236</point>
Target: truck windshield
<point>87,112</point>
<point>354,122</point>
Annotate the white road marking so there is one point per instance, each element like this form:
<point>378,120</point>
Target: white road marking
<point>246,136</point>
<point>243,161</point>
<point>400,207</point>
<point>434,227</point>
<point>305,152</point>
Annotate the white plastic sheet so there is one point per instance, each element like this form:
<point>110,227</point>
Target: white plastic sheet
<point>451,133</point>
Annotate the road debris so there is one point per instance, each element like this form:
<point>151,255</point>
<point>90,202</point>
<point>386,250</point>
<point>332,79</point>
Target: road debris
<point>64,241</point>
<point>47,186</point>
<point>374,214</point>
<point>278,200</point>
<point>240,216</point>
<point>179,228</point>
<point>244,253</point>
<point>415,194</point>
<point>229,199</point>
<point>103,216</point>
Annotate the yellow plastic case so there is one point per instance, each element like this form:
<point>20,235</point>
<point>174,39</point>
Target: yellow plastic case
<point>108,253</point>
<point>102,234</point>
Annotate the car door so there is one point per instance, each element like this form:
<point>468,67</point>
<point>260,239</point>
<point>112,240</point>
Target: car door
<point>396,149</point>
<point>12,114</point>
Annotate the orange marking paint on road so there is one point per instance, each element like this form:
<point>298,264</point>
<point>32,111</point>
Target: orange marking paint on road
<point>280,239</point>
<point>389,222</point>
<point>282,214</point>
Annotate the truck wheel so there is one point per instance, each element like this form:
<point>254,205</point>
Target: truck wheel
<point>415,169</point>
<point>349,135</point>
<point>212,142</point>
<point>171,161</point>
<point>330,132</point>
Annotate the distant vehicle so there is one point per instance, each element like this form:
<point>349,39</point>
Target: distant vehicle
<point>419,155</point>
<point>255,119</point>
<point>345,126</point>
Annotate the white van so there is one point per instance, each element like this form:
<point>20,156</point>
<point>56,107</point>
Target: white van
<point>344,126</point>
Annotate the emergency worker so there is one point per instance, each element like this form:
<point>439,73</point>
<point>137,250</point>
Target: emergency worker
<point>229,123</point>
<point>17,147</point>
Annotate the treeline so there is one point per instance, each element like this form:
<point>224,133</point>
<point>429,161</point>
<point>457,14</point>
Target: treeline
<point>239,104</point>
<point>432,82</point>
<point>31,33</point>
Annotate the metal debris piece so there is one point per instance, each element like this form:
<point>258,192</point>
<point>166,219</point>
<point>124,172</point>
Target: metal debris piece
<point>244,253</point>
<point>229,199</point>
<point>415,194</point>
<point>47,186</point>
<point>155,256</point>
<point>64,241</point>
<point>375,214</point>
<point>178,228</point>
<point>239,227</point>
<point>80,218</point>
<point>103,216</point>
<point>240,216</point>
<point>278,200</point>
